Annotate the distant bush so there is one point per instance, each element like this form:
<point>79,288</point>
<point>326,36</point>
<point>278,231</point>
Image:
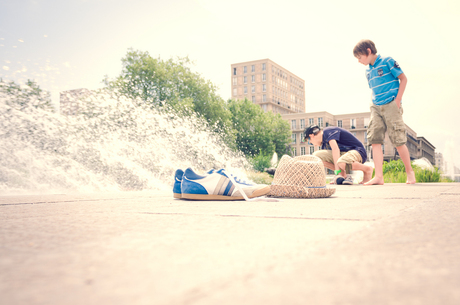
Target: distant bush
<point>260,178</point>
<point>395,172</point>
<point>260,162</point>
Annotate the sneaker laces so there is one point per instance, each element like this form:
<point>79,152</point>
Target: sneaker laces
<point>238,186</point>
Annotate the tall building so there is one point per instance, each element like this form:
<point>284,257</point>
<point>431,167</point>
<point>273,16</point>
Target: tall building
<point>440,162</point>
<point>357,124</point>
<point>269,85</point>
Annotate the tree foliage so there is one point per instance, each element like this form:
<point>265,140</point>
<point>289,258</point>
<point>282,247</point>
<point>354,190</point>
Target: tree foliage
<point>258,132</point>
<point>170,83</point>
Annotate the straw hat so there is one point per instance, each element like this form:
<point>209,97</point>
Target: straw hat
<point>300,177</point>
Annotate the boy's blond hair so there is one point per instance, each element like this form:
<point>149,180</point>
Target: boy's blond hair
<point>362,46</point>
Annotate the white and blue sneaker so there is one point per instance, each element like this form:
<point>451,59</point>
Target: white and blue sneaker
<point>177,189</point>
<point>218,186</point>
<point>348,180</point>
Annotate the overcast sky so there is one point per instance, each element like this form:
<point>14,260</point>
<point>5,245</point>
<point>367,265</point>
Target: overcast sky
<point>73,44</point>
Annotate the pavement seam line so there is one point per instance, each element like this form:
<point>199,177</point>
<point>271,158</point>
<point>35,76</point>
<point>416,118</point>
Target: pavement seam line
<point>255,216</point>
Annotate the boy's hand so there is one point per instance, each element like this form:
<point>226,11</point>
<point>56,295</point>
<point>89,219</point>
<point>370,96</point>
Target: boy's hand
<point>398,102</point>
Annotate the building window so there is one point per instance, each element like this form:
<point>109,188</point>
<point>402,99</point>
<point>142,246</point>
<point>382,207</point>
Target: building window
<point>366,122</point>
<point>253,78</point>
<point>311,121</point>
<point>264,87</point>
<point>253,98</point>
<point>383,148</point>
<point>253,88</point>
<point>294,151</point>
<point>339,123</point>
<point>312,150</point>
<point>302,151</point>
<point>365,137</point>
<point>320,122</point>
<point>264,107</point>
<point>245,79</point>
<point>294,138</point>
<point>302,124</point>
<point>234,71</point>
<point>293,124</point>
<point>253,68</point>
<point>235,81</point>
<point>245,69</point>
<point>352,123</point>
<point>264,98</point>
<point>264,67</point>
<point>235,91</point>
<point>264,77</point>
<point>245,90</point>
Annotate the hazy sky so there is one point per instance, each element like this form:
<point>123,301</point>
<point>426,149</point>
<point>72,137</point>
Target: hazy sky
<point>73,44</point>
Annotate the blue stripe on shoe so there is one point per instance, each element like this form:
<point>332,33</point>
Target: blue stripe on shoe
<point>228,188</point>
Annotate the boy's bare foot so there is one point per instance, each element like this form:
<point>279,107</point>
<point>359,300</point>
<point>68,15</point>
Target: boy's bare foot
<point>410,178</point>
<point>367,174</point>
<point>375,181</point>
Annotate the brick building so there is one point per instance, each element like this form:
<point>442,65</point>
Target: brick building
<point>269,85</point>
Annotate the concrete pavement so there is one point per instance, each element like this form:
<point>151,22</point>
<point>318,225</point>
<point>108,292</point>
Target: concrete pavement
<point>391,244</point>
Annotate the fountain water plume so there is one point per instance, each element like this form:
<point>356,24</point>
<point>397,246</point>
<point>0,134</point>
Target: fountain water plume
<point>424,163</point>
<point>113,144</point>
<point>274,160</point>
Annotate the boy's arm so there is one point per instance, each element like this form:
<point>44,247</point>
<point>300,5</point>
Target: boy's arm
<point>335,153</point>
<point>402,86</point>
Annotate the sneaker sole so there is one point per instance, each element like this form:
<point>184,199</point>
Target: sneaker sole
<point>256,193</point>
<point>177,195</point>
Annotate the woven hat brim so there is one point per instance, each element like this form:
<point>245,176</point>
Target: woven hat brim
<point>299,192</point>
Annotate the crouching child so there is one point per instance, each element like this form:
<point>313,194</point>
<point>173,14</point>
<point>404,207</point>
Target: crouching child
<point>340,151</point>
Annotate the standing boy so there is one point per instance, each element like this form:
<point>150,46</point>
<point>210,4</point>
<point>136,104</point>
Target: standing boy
<point>388,82</point>
<point>339,148</point>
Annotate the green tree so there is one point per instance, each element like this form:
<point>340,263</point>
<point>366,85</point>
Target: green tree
<point>258,132</point>
<point>171,83</point>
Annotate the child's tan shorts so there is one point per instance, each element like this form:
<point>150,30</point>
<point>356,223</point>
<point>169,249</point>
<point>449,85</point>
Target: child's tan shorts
<point>347,157</point>
<point>383,118</point>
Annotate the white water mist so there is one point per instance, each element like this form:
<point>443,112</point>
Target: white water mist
<point>113,145</point>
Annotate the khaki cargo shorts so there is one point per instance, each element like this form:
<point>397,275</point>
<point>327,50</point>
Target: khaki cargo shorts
<point>347,157</point>
<point>383,118</point>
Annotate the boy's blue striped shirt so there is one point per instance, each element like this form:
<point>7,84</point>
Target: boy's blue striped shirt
<point>383,80</point>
